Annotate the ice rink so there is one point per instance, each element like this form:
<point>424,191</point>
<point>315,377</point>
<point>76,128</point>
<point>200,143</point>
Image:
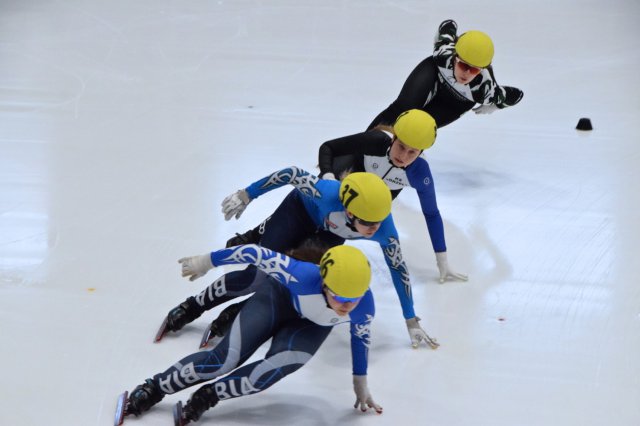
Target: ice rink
<point>123,125</point>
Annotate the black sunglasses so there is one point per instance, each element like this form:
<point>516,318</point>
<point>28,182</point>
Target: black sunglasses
<point>366,222</point>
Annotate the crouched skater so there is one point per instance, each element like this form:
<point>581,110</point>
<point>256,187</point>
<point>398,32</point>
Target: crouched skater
<point>296,307</point>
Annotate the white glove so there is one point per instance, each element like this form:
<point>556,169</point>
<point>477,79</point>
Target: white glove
<point>363,396</point>
<point>195,267</point>
<point>485,109</point>
<point>234,204</point>
<point>417,334</point>
<point>328,176</point>
<point>445,271</point>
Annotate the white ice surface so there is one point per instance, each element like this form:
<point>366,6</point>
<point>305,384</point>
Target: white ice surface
<point>123,124</point>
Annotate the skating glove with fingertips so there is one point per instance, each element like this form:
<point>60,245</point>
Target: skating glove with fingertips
<point>364,401</point>
<point>234,204</point>
<point>417,334</point>
<point>445,271</point>
<point>195,267</point>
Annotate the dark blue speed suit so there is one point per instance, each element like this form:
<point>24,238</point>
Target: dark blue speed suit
<point>289,307</point>
<point>314,209</point>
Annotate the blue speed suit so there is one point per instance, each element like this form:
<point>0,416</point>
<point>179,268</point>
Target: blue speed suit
<point>289,307</point>
<point>314,208</point>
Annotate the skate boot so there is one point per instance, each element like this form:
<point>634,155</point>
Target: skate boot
<point>222,324</point>
<point>183,314</point>
<point>512,95</point>
<point>143,397</point>
<point>448,27</point>
<point>201,400</point>
<point>252,236</point>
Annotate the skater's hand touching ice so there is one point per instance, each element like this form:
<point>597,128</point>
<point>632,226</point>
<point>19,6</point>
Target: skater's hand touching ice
<point>445,271</point>
<point>364,401</point>
<point>485,109</point>
<point>417,334</point>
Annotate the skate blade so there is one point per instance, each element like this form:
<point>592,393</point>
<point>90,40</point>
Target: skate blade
<point>210,340</point>
<point>177,415</point>
<point>205,338</point>
<point>120,409</point>
<point>162,330</point>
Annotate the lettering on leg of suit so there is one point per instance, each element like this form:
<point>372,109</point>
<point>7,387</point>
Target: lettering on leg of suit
<point>179,379</point>
<point>215,290</point>
<point>226,390</point>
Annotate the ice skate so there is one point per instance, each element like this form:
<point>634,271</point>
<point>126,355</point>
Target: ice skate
<point>512,95</point>
<point>201,400</point>
<point>252,236</point>
<point>178,317</point>
<point>141,399</point>
<point>221,325</point>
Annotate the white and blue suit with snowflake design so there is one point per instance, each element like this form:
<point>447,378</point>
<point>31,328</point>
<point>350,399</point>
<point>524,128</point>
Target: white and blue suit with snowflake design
<point>288,307</point>
<point>314,209</point>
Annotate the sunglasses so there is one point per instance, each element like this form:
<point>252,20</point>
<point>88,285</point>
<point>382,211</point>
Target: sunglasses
<point>366,222</point>
<point>467,68</point>
<point>341,299</point>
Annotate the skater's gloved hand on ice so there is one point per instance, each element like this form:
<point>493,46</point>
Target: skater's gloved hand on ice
<point>445,271</point>
<point>195,267</point>
<point>234,204</point>
<point>485,109</point>
<point>364,401</point>
<point>417,334</point>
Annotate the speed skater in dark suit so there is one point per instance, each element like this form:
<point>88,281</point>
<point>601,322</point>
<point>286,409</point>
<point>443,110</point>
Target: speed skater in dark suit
<point>296,307</point>
<point>457,77</point>
<point>394,154</point>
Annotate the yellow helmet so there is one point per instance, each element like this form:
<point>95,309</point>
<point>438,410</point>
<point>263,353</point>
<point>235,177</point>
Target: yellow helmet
<point>416,128</point>
<point>346,271</point>
<point>475,48</point>
<point>365,196</point>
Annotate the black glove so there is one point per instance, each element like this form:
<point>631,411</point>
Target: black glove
<point>512,95</point>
